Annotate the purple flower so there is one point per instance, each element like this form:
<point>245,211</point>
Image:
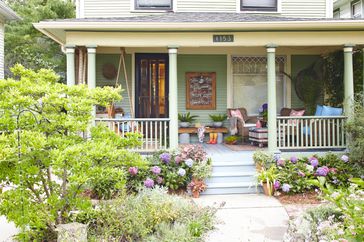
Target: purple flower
<point>133,170</point>
<point>265,106</point>
<point>345,158</point>
<point>294,159</point>
<point>260,110</point>
<point>314,161</point>
<point>149,183</point>
<point>286,187</point>
<point>178,159</point>
<point>156,170</point>
<point>301,174</point>
<point>281,162</point>
<point>160,180</point>
<point>165,157</point>
<point>189,162</point>
<point>181,172</point>
<point>276,184</point>
<point>322,171</point>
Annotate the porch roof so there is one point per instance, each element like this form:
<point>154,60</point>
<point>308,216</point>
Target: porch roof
<point>195,22</point>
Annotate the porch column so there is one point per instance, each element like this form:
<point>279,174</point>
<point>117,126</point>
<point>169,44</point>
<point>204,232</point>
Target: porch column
<point>91,70</point>
<point>348,80</point>
<point>272,99</point>
<point>70,53</point>
<point>173,106</point>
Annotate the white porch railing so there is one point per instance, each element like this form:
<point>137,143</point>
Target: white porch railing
<point>154,132</point>
<point>311,132</point>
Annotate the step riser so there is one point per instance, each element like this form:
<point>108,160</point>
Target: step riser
<point>249,168</point>
<point>232,190</point>
<point>229,179</point>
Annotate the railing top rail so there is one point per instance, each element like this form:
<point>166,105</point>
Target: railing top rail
<point>130,119</point>
<point>312,117</point>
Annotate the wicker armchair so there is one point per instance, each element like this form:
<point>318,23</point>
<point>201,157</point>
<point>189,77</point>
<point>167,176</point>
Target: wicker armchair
<point>242,125</point>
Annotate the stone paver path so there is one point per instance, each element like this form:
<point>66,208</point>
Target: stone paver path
<point>246,217</point>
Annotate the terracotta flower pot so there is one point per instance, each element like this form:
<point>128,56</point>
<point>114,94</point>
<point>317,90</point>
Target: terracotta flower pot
<point>258,167</point>
<point>195,194</point>
<point>266,190</point>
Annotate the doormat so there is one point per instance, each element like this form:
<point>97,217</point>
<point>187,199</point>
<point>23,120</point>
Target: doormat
<point>244,147</point>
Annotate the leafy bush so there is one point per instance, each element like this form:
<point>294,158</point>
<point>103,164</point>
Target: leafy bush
<point>187,117</point>
<point>218,117</point>
<point>340,220</point>
<point>355,127</point>
<point>150,215</point>
<point>46,160</point>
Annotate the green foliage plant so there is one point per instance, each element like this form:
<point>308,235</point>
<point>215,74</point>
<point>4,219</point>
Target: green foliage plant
<point>232,139</point>
<point>187,117</point>
<point>218,117</point>
<point>268,176</point>
<point>49,156</point>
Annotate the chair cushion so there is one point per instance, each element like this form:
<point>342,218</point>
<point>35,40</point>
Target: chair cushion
<point>296,114</point>
<point>236,113</point>
<point>331,111</point>
<point>318,110</point>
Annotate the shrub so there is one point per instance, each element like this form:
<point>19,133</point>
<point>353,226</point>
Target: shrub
<point>150,215</point>
<point>355,127</point>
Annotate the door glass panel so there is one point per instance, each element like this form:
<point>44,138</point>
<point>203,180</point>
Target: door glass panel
<point>151,89</point>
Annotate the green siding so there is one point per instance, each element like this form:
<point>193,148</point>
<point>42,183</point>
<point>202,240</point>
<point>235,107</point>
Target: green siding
<point>101,60</point>
<point>203,63</point>
<point>300,62</point>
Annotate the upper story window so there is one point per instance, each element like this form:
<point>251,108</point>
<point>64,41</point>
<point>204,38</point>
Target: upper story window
<point>259,5</point>
<point>153,5</point>
<point>356,9</point>
<point>337,13</point>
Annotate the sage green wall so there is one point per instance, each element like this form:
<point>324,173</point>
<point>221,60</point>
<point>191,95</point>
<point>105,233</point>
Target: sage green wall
<point>300,62</point>
<point>101,60</point>
<point>203,63</point>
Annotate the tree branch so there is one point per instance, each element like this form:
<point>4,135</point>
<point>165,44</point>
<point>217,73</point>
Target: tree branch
<point>40,200</point>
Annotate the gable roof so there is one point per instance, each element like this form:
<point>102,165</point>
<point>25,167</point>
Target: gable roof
<point>7,12</point>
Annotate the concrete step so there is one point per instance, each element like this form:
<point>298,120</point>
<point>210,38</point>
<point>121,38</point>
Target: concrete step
<point>232,157</point>
<point>231,177</point>
<point>232,188</point>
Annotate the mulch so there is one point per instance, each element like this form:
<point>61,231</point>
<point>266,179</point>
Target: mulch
<point>302,198</point>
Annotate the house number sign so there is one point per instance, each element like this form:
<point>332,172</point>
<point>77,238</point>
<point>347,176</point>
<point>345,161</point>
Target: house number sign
<point>223,38</point>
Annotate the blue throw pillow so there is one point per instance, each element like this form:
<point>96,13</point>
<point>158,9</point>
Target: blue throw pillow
<point>318,110</point>
<point>330,111</point>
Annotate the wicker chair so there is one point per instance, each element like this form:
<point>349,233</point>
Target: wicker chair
<point>244,124</point>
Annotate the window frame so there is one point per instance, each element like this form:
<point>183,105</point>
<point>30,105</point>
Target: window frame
<point>152,8</point>
<point>337,11</point>
<point>352,4</point>
<point>259,9</point>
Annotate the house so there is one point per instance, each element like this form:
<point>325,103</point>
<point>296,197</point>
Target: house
<point>6,14</point>
<point>348,9</point>
<point>205,56</point>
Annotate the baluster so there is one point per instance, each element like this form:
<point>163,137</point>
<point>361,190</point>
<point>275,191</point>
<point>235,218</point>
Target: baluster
<point>329,143</point>
<point>343,143</point>
<point>146,136</point>
<point>319,133</point>
<point>165,133</point>
<point>156,135</point>
<point>284,127</point>
<point>337,132</point>
<point>151,134</point>
<point>160,135</point>
<point>297,137</point>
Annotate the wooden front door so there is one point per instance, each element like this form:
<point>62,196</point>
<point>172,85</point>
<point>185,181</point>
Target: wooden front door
<point>151,85</point>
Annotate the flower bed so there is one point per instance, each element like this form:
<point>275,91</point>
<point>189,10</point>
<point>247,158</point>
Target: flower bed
<point>174,170</point>
<point>296,175</point>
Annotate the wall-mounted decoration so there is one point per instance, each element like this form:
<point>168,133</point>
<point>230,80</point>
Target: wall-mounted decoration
<point>109,71</point>
<point>201,90</point>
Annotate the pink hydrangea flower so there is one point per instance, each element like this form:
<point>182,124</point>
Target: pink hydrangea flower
<point>133,170</point>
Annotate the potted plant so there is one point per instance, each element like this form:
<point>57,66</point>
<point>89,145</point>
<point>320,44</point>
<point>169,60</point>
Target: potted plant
<point>186,119</point>
<point>266,177</point>
<point>218,119</point>
<point>200,172</point>
<point>261,160</point>
<point>232,140</point>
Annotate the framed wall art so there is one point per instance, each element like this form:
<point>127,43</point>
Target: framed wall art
<point>201,90</point>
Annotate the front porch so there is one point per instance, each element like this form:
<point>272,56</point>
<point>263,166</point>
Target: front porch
<point>248,73</point>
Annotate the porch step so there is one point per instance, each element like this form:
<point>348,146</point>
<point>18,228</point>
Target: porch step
<point>232,188</point>
<point>238,176</point>
<point>232,167</point>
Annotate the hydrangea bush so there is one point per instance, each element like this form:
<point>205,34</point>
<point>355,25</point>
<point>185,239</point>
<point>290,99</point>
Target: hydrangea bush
<point>171,169</point>
<point>295,174</point>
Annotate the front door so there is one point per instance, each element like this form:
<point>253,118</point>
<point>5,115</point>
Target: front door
<point>151,85</point>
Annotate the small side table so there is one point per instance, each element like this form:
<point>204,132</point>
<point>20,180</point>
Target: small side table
<point>258,136</point>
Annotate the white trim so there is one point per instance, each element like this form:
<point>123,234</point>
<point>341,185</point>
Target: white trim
<point>82,9</point>
<point>288,81</point>
<point>271,49</point>
<point>229,84</point>
<point>133,82</point>
<point>172,50</point>
<point>329,9</point>
<point>133,10</point>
